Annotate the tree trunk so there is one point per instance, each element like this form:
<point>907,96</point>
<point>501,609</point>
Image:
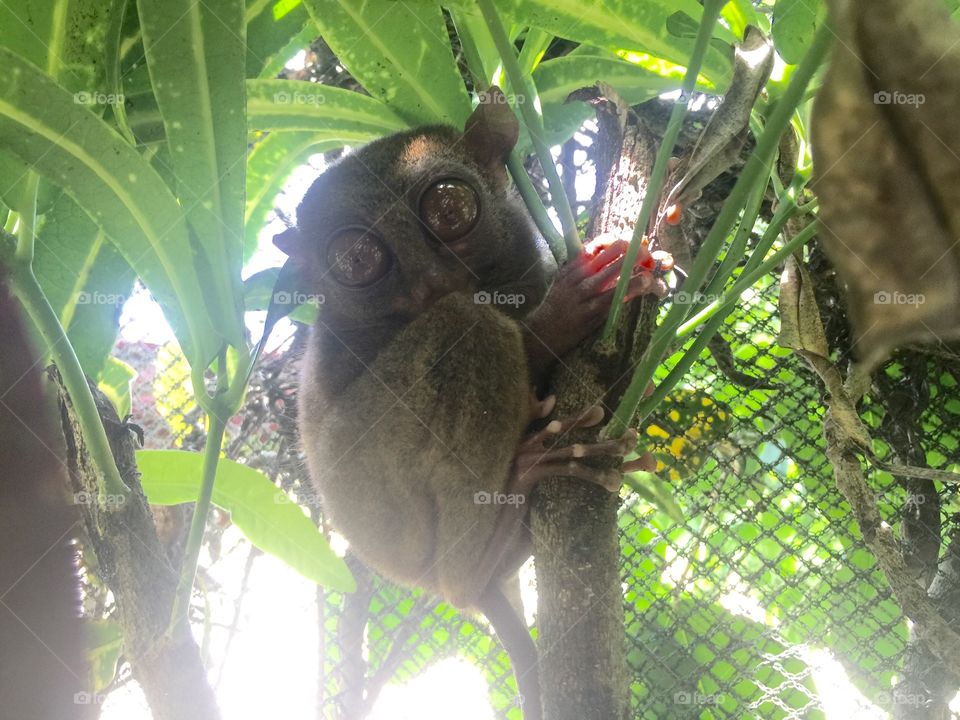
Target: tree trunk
<point>133,564</point>
<point>584,674</point>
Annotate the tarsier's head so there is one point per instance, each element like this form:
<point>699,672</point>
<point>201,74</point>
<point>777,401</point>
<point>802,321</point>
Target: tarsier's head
<point>407,219</point>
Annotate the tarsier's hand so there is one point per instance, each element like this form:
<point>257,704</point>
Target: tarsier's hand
<point>580,298</point>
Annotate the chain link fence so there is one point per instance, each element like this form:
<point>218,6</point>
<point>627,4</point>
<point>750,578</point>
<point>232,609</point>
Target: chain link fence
<point>750,596</point>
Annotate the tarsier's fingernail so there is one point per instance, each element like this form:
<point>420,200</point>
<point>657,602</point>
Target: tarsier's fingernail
<point>592,416</point>
<point>553,426</point>
<point>577,450</point>
<point>546,407</point>
<point>612,480</point>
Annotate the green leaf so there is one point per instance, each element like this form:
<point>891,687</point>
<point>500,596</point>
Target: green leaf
<point>114,381</point>
<point>625,25</point>
<point>265,514</point>
<point>105,641</point>
<point>258,291</point>
<point>331,113</point>
<point>195,52</point>
<point>65,38</point>
<point>655,491</point>
<point>556,79</point>
<point>273,30</point>
<point>44,127</point>
<point>794,23</point>
<point>740,13</point>
<point>85,279</point>
<point>399,52</point>
<point>268,166</point>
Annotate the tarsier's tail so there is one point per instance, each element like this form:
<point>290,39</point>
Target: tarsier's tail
<point>515,638</point>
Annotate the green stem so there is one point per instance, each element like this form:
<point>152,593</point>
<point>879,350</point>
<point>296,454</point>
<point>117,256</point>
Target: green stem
<point>536,208</point>
<point>534,124</point>
<point>211,458</point>
<point>713,317</point>
<point>27,213</point>
<point>787,210</point>
<point>521,178</point>
<point>755,166</point>
<point>711,11</point>
<point>535,44</point>
<point>739,244</point>
<point>30,295</point>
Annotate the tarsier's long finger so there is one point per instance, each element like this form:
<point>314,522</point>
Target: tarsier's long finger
<point>621,446</point>
<point>540,409</point>
<point>609,479</point>
<point>588,418</point>
<point>645,462</point>
<point>605,280</point>
<point>646,283</point>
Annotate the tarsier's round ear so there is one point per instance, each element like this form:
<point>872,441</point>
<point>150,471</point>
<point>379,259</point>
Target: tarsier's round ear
<point>491,132</point>
<point>288,241</point>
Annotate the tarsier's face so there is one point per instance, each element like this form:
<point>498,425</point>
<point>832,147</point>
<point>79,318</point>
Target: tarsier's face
<point>404,221</point>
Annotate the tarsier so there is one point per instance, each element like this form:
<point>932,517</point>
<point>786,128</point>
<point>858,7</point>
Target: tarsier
<point>442,310</point>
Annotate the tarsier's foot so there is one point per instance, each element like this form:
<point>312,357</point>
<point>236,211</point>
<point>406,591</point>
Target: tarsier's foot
<point>535,461</point>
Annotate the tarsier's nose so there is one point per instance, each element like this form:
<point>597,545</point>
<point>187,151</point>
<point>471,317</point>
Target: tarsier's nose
<point>431,286</point>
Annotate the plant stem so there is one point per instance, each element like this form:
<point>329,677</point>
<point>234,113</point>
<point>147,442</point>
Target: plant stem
<point>751,270</point>
<point>711,11</point>
<point>217,424</point>
<point>713,317</point>
<point>534,124</point>
<point>31,297</point>
<point>536,208</point>
<point>531,198</point>
<point>756,164</point>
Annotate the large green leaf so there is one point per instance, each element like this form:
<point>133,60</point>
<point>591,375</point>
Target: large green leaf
<point>63,37</point>
<point>41,124</point>
<point>332,113</point>
<point>85,279</point>
<point>794,23</point>
<point>399,52</point>
<point>264,513</point>
<point>114,382</point>
<point>196,56</point>
<point>273,30</point>
<point>622,25</point>
<point>556,79</point>
<point>268,167</point>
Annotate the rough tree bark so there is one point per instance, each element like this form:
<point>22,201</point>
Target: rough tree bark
<point>134,565</point>
<point>580,616</point>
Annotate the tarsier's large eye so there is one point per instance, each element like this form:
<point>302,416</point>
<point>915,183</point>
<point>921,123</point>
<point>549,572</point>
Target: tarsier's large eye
<point>357,257</point>
<point>450,209</point>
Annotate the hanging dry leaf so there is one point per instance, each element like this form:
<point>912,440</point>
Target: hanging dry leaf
<point>886,149</point>
<point>802,331</point>
<point>800,325</point>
